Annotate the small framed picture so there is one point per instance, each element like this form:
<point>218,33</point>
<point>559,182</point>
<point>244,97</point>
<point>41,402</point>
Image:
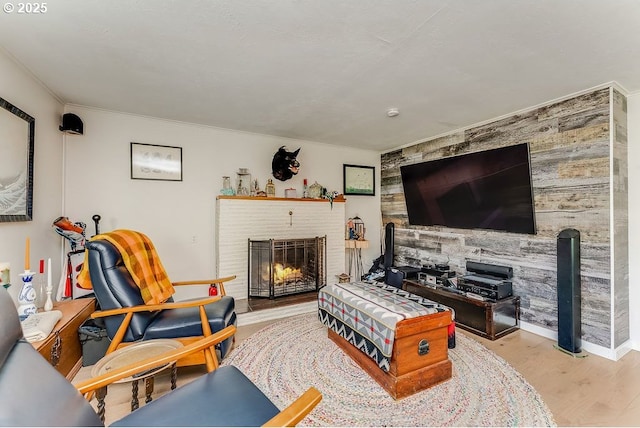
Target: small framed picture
<point>359,180</point>
<point>153,162</point>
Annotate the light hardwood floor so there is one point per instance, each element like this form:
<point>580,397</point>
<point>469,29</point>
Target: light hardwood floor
<point>591,391</point>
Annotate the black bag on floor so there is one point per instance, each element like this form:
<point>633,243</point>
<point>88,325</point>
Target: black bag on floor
<point>94,340</point>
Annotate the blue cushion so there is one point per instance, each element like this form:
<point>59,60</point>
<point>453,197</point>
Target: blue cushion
<point>224,397</point>
<point>185,322</point>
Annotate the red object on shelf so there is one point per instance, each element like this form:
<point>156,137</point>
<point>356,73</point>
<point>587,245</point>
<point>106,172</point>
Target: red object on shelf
<point>42,266</point>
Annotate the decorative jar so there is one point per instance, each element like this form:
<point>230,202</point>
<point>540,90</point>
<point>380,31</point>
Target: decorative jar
<point>270,189</point>
<point>315,191</point>
<point>226,187</point>
<point>243,182</point>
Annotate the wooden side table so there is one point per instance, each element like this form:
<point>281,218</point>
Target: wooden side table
<point>354,248</point>
<point>62,347</point>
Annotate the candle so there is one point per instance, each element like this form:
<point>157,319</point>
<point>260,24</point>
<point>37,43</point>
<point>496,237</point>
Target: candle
<point>26,255</point>
<point>41,266</point>
<point>305,181</point>
<point>49,273</point>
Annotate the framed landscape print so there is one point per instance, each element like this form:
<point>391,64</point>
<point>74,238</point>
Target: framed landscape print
<point>153,162</point>
<point>17,130</point>
<point>359,180</point>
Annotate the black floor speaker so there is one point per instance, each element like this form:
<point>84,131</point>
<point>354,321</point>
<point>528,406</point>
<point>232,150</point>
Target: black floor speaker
<point>389,231</point>
<point>569,331</point>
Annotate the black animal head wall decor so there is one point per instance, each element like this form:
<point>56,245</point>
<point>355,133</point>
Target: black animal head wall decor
<point>284,164</point>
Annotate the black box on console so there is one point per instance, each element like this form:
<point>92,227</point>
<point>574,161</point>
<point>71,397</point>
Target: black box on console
<point>496,292</point>
<point>409,272</point>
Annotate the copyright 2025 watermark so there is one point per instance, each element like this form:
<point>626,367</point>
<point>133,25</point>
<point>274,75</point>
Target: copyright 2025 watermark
<point>25,8</point>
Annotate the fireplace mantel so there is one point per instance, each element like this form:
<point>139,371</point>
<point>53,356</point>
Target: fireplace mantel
<point>340,198</point>
<point>241,218</point>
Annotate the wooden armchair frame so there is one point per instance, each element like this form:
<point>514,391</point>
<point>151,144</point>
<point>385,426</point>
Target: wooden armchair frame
<point>208,357</point>
<point>289,416</point>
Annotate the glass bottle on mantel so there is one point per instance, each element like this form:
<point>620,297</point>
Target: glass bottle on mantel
<point>226,187</point>
<point>270,189</point>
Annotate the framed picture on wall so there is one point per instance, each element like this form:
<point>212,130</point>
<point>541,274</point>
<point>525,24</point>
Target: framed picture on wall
<point>359,180</point>
<point>16,163</point>
<point>153,162</point>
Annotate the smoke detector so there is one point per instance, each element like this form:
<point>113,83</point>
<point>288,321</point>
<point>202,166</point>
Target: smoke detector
<point>393,112</point>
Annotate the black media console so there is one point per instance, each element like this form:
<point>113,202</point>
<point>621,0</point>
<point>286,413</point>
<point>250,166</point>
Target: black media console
<point>489,319</point>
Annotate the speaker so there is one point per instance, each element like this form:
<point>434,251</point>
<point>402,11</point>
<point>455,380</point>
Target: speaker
<point>72,124</point>
<point>389,232</point>
<point>504,272</point>
<point>569,298</point>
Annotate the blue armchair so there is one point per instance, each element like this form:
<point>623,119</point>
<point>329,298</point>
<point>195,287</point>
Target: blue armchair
<point>129,319</point>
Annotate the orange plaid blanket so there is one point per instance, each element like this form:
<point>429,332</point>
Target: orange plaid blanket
<point>141,259</point>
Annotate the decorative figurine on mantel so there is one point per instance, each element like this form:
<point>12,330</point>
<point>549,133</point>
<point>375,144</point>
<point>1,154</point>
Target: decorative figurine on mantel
<point>256,191</point>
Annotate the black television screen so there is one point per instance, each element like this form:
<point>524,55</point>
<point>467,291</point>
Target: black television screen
<point>483,190</point>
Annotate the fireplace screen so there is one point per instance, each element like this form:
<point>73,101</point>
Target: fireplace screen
<point>279,267</point>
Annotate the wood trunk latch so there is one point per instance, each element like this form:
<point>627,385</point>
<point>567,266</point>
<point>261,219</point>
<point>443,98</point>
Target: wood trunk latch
<point>423,347</point>
<point>56,349</point>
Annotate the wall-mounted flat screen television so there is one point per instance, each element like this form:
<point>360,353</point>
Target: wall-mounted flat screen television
<point>483,190</point>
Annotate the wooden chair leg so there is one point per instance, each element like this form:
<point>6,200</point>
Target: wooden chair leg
<point>101,393</point>
<point>209,353</point>
<point>148,388</point>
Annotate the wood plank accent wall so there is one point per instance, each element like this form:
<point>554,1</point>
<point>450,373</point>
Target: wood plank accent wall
<point>570,144</point>
<point>620,188</point>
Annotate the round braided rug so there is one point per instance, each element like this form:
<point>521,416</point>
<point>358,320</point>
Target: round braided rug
<point>289,356</point>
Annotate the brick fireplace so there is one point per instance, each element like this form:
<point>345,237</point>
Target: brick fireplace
<point>242,218</point>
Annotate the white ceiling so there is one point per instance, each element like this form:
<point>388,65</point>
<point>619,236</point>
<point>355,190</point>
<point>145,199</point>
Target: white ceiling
<point>326,70</point>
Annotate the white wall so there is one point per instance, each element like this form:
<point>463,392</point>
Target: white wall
<point>20,89</point>
<point>633,123</point>
<point>180,216</point>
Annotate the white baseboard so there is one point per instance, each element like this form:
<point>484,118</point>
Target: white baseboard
<point>610,354</point>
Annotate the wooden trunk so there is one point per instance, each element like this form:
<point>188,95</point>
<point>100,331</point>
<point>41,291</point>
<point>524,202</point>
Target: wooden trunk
<point>62,347</point>
<point>409,371</point>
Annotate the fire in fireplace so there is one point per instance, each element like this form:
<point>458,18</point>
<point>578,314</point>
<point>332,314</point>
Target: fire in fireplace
<point>280,267</point>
